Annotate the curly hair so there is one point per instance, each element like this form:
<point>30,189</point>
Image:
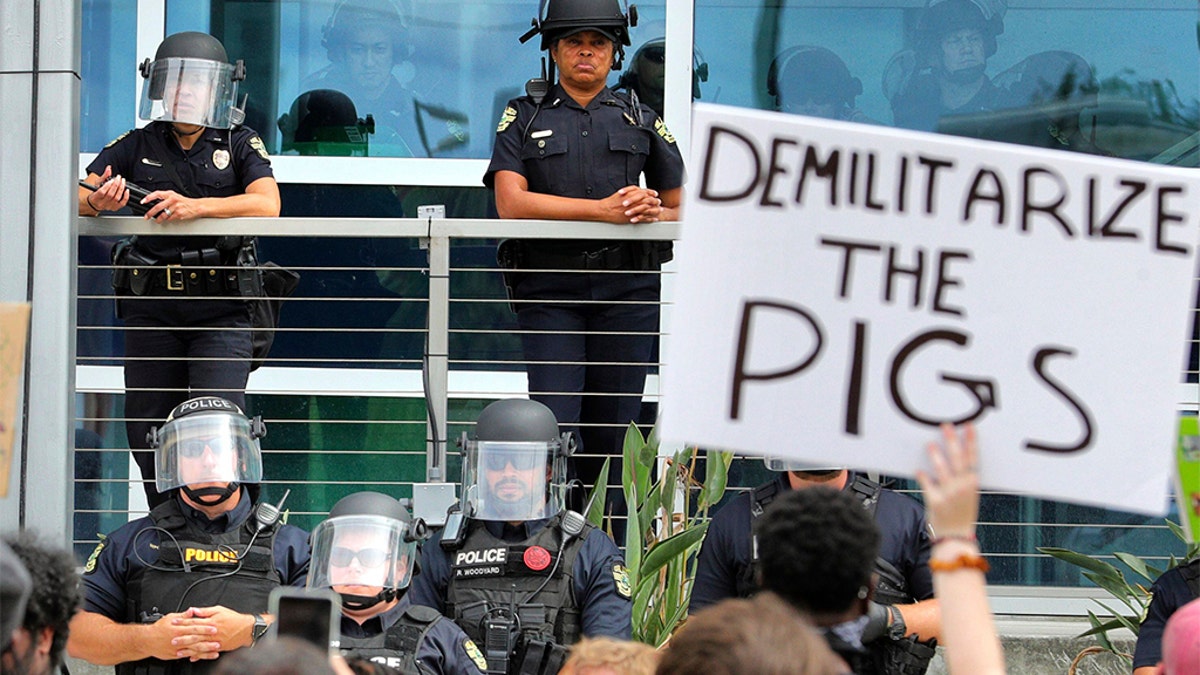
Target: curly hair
<point>56,594</point>
<point>817,549</point>
<point>618,656</point>
<point>760,636</point>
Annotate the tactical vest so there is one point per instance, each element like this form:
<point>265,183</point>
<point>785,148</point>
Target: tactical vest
<point>198,569</point>
<point>889,657</point>
<point>1191,576</point>
<point>488,575</point>
<point>397,646</point>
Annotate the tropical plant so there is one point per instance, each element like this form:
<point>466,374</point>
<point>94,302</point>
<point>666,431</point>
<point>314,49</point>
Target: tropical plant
<point>667,519</point>
<point>1133,595</point>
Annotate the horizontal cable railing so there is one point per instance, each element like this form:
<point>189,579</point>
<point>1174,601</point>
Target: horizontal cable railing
<point>343,396</point>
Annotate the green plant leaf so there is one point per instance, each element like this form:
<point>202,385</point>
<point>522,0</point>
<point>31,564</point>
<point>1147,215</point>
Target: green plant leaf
<point>598,498</point>
<point>1098,626</point>
<point>1136,564</point>
<point>631,454</point>
<point>716,467</point>
<point>1081,560</point>
<point>664,551</point>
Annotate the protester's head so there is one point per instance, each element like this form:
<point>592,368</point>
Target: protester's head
<point>515,467</point>
<point>366,551</point>
<point>14,592</point>
<point>810,80</point>
<point>190,81</point>
<point>37,645</point>
<point>760,636</point>
<point>817,550</point>
<point>610,656</point>
<point>364,39</point>
<point>208,447</point>
<point>956,37</point>
<point>281,656</point>
<point>1181,641</point>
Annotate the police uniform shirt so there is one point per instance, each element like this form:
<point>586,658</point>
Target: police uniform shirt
<point>134,547</point>
<point>599,570</point>
<point>586,153</point>
<point>1171,591</point>
<point>445,649</point>
<point>725,555</point>
<point>222,163</point>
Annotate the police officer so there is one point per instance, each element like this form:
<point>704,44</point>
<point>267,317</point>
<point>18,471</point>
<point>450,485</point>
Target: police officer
<point>524,578</point>
<point>367,43</point>
<point>197,162</point>
<point>647,74</point>
<point>366,551</point>
<point>167,593</point>
<point>954,40</point>
<point>576,151</point>
<point>1173,589</point>
<point>904,616</point>
<point>813,81</point>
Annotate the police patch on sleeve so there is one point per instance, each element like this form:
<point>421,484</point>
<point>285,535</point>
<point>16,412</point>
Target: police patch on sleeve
<point>91,561</point>
<point>116,140</point>
<point>660,128</point>
<point>621,577</point>
<point>474,654</point>
<point>510,115</point>
<point>257,144</point>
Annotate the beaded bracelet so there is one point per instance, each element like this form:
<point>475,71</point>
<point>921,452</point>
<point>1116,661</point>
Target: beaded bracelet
<point>968,538</point>
<point>964,561</point>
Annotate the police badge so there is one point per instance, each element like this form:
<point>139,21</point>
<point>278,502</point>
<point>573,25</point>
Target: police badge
<point>221,158</point>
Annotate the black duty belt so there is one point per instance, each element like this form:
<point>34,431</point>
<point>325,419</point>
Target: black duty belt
<point>616,257</point>
<point>206,272</point>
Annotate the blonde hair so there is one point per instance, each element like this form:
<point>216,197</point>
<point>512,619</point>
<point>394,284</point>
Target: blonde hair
<point>621,657</point>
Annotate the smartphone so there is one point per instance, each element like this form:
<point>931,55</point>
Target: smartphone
<point>311,614</point>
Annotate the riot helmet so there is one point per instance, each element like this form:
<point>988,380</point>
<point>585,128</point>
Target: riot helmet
<point>941,19</point>
<point>807,77</point>
<point>366,550</point>
<point>350,17</point>
<point>204,441</point>
<point>325,122</point>
<point>651,56</point>
<point>190,81</point>
<point>515,467</point>
<point>558,19</point>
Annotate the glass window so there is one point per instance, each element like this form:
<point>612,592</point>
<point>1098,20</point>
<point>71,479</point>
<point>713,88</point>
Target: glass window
<point>107,94</point>
<point>1117,80</point>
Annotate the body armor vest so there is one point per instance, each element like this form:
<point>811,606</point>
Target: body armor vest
<point>489,576</point>
<point>397,646</point>
<point>889,657</point>
<point>233,569</point>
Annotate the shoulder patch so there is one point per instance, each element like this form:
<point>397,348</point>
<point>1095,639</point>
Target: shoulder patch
<point>474,654</point>
<point>509,116</point>
<point>117,140</point>
<point>91,561</point>
<point>621,578</point>
<point>256,143</point>
<point>660,128</point>
<point>422,613</point>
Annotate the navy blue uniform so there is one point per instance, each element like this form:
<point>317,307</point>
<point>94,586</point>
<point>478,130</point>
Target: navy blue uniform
<point>605,607</point>
<point>444,648</point>
<point>167,360</point>
<point>725,555</point>
<point>135,546</point>
<point>574,337</point>
<point>1174,589</point>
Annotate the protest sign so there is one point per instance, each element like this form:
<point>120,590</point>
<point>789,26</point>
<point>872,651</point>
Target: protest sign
<point>842,289</point>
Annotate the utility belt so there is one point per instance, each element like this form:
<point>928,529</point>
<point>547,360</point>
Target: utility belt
<point>202,272</point>
<point>515,254</point>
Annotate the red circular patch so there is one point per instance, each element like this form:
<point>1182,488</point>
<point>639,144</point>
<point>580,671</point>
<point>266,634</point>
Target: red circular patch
<point>537,558</point>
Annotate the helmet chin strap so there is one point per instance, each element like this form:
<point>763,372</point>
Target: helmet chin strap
<point>177,132</point>
<point>197,495</point>
<point>357,603</point>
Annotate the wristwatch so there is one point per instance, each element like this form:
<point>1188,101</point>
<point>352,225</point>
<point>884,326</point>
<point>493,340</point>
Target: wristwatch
<point>259,630</point>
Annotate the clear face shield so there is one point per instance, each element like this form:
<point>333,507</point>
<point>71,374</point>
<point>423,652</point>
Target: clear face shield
<point>207,448</point>
<point>782,464</point>
<point>513,481</point>
<point>189,91</point>
<point>362,555</point>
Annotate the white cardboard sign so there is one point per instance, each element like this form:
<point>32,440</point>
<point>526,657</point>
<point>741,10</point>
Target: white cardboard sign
<point>842,289</point>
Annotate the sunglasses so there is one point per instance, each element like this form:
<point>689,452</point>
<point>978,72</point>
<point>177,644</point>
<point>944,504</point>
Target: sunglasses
<point>339,556</point>
<point>194,448</point>
<point>521,461</point>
